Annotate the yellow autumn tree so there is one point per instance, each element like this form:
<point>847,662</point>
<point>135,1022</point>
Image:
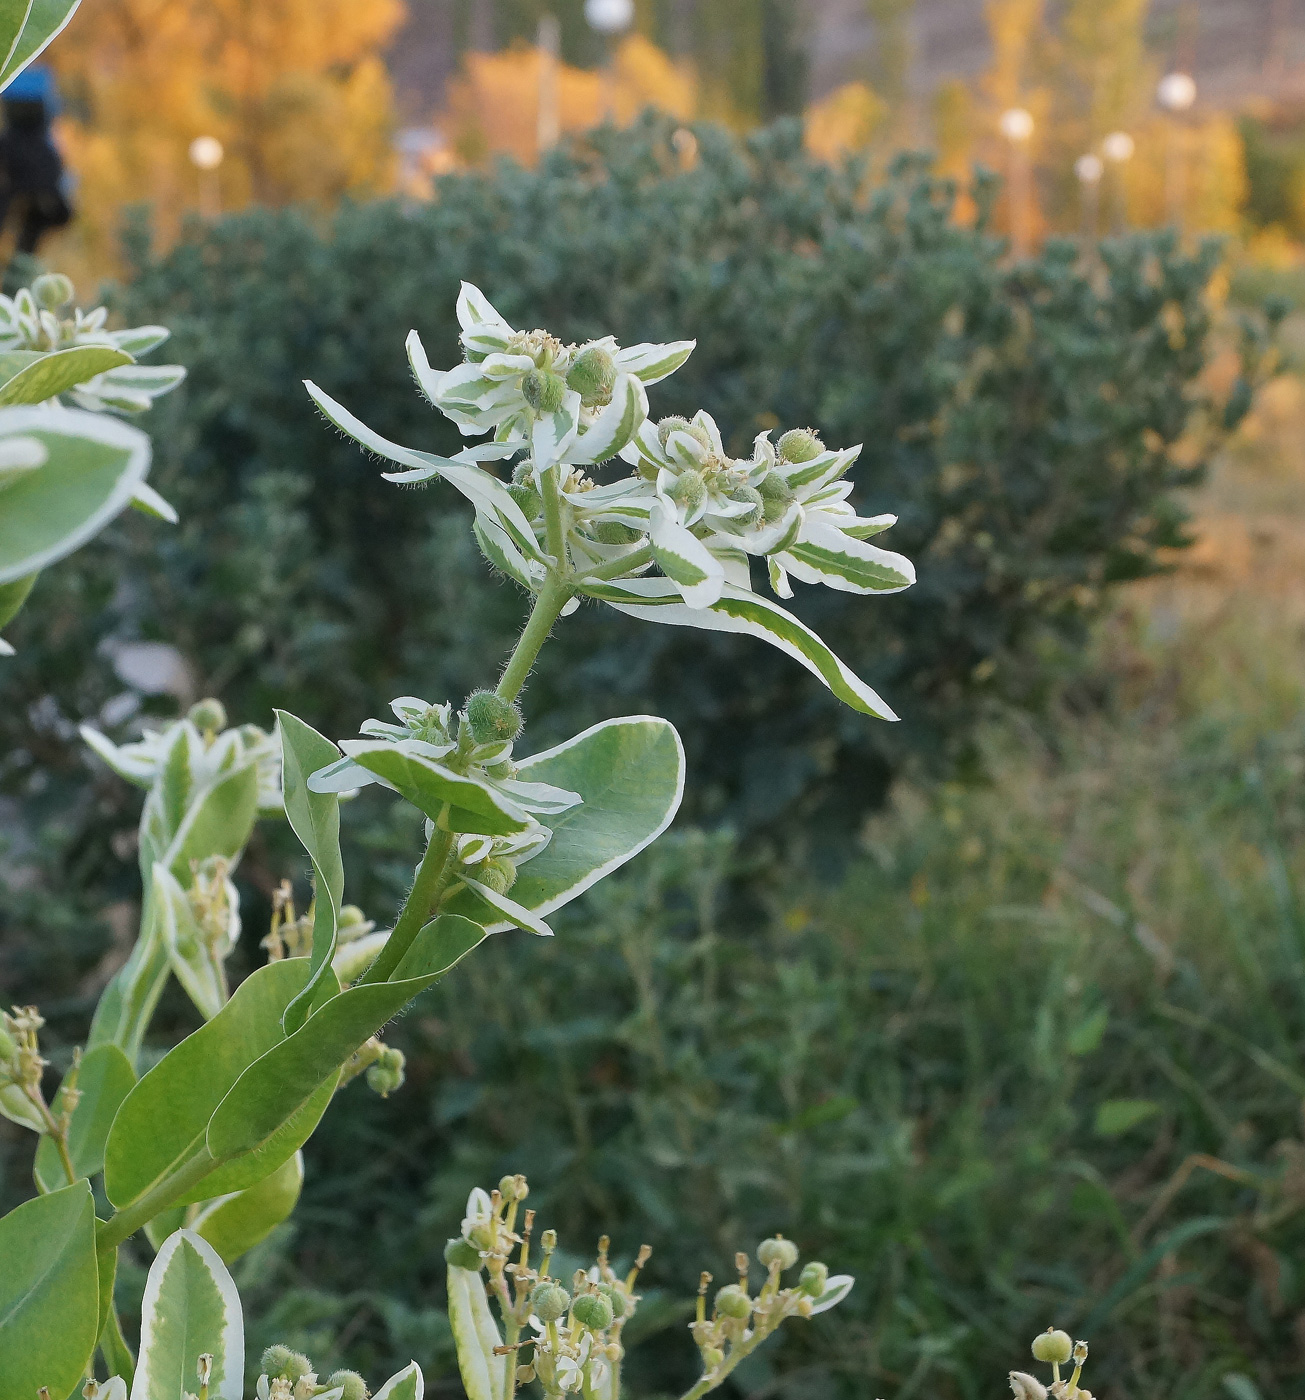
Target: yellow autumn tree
<point>295,90</point>
<point>493,104</point>
<point>844,122</point>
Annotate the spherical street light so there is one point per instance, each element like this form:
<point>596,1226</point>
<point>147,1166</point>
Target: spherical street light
<point>609,16</point>
<point>1016,124</point>
<point>1089,169</point>
<point>206,152</point>
<point>1176,92</point>
<point>1118,147</point>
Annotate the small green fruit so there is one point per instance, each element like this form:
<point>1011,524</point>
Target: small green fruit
<point>513,1188</point>
<point>289,1365</point>
<point>753,497</point>
<point>350,1382</point>
<point>52,290</point>
<point>208,716</point>
<point>525,495</point>
<point>592,375</point>
<point>387,1074</point>
<point>462,1254</point>
<point>688,490</point>
<point>800,445</point>
<point>593,1311</point>
<point>712,1357</point>
<point>491,719</point>
<point>543,390</point>
<point>620,1303</point>
<point>1053,1347</point>
<point>350,915</point>
<point>613,532</point>
<point>777,1251</point>
<point>814,1278</point>
<point>671,425</point>
<point>498,875</point>
<point>776,496</point>
<point>732,1301</point>
<point>549,1300</point>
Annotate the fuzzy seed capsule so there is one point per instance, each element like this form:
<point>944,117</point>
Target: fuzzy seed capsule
<point>814,1278</point>
<point>208,716</point>
<point>543,390</point>
<point>688,490</point>
<point>350,1382</point>
<point>593,1311</point>
<point>777,1251</point>
<point>492,719</point>
<point>712,1357</point>
<point>592,375</point>
<point>620,1303</point>
<point>732,1301</point>
<point>462,1254</point>
<point>754,498</point>
<point>800,445</point>
<point>1053,1347</point>
<point>513,1188</point>
<point>52,290</point>
<point>288,1365</point>
<point>670,425</point>
<point>387,1073</point>
<point>549,1300</point>
<point>498,875</point>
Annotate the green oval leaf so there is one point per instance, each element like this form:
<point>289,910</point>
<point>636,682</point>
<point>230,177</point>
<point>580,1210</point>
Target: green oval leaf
<point>630,773</point>
<point>49,1293</point>
<point>315,818</point>
<point>475,1335</point>
<point>290,1073</point>
<point>104,1080</point>
<point>1117,1116</point>
<point>236,1223</point>
<point>92,467</point>
<point>59,371</point>
<point>191,1308</point>
<point>408,1384</point>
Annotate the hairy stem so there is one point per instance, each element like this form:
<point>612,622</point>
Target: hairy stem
<point>124,1223</point>
<point>554,534</point>
<point>549,602</point>
<point>614,568</point>
<point>57,1134</point>
<point>737,1353</point>
<point>433,874</point>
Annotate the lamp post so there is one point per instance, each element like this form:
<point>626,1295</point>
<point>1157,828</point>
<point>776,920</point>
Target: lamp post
<point>1176,93</point>
<point>1118,149</point>
<point>1017,127</point>
<point>1089,170</point>
<point>206,155</point>
<point>548,122</point>
<point>610,18</point>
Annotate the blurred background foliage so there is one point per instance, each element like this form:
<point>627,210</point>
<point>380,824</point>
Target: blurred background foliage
<point>999,1008</point>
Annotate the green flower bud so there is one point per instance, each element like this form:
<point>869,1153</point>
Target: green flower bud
<point>548,1241</point>
<point>733,1301</point>
<point>289,1365</point>
<point>592,375</point>
<point>492,719</point>
<point>776,496</point>
<point>386,1075</point>
<point>593,1311</point>
<point>52,290</point>
<point>350,1382</point>
<point>549,1300</point>
<point>462,1254</point>
<point>712,1357</point>
<point>1080,1353</point>
<point>208,716</point>
<point>688,490</point>
<point>620,1303</point>
<point>543,390</point>
<point>800,445</point>
<point>778,1251</point>
<point>753,496</point>
<point>350,915</point>
<point>525,495</point>
<point>498,875</point>
<point>814,1278</point>
<point>1053,1347</point>
<point>613,532</point>
<point>513,1188</point>
<point>670,425</point>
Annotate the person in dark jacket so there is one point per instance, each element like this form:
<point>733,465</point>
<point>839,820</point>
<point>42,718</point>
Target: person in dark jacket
<point>31,169</point>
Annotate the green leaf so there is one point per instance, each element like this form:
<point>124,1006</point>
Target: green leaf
<point>684,559</point>
<point>198,967</point>
<point>12,597</point>
<point>190,1308</point>
<point>615,425</point>
<point>1086,1036</point>
<point>737,610</point>
<point>408,1384</point>
<point>162,1123</point>
<point>92,467</point>
<point>315,818</point>
<point>475,1334</point>
<point>825,555</point>
<point>46,19</point>
<point>218,821</point>
<point>18,1108</point>
<point>474,806</point>
<point>630,773</point>
<point>49,1293</point>
<point>292,1073</point>
<point>13,16</point>
<point>57,372</point>
<point>236,1223</point>
<point>113,1345</point>
<point>104,1080</point>
<point>1241,1386</point>
<point>1117,1116</point>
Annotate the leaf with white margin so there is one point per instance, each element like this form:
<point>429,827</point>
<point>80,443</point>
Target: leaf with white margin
<point>685,560</point>
<point>485,492</point>
<point>652,363</point>
<point>615,425</point>
<point>501,554</point>
<point>44,20</point>
<point>630,773</point>
<point>822,554</point>
<point>836,1289</point>
<point>476,1335</point>
<point>483,329</point>
<point>55,373</point>
<point>191,1308</point>
<point>235,1223</point>
<point>140,340</point>
<point>658,600</point>
<point>861,527</point>
<point>553,433</point>
<point>474,805</point>
<point>92,469</point>
<point>507,908</point>
<point>408,1384</point>
<point>148,501</point>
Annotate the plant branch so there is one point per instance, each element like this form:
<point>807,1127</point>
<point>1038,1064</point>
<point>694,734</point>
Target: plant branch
<point>549,602</point>
<point>614,568</point>
<point>554,534</point>
<point>124,1223</point>
<point>432,875</point>
<point>737,1353</point>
